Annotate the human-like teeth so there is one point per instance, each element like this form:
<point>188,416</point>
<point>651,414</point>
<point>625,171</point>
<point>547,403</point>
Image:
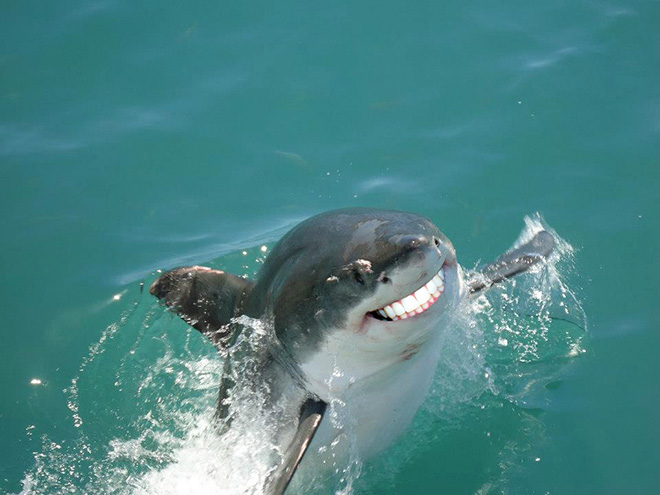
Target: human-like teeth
<point>417,302</point>
<point>422,295</point>
<point>409,303</point>
<point>398,308</point>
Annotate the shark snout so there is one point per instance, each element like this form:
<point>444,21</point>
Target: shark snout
<point>415,241</point>
<point>418,258</point>
<point>422,242</point>
<point>407,242</point>
<point>420,248</point>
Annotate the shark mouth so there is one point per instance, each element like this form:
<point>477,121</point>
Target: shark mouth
<point>414,304</point>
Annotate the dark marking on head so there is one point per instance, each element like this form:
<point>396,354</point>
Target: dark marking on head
<point>409,352</point>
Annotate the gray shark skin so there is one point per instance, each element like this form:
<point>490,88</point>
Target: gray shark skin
<point>358,300</point>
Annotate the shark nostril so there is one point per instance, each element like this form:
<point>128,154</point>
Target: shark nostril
<point>437,243</point>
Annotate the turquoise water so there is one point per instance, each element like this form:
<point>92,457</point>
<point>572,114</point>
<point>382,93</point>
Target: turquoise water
<point>138,137</point>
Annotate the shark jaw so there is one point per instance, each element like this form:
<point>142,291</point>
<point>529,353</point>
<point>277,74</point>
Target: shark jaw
<point>370,342</point>
<point>414,303</point>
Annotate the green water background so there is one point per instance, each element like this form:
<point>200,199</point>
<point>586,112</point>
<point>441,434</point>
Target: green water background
<point>135,136</point>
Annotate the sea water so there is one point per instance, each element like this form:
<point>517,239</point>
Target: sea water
<point>141,136</point>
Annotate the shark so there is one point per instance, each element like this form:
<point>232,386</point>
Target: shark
<point>357,301</point>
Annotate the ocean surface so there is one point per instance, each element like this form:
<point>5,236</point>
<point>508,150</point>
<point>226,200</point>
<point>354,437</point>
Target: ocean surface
<point>140,136</point>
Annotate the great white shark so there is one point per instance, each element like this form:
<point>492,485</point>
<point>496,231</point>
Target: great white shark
<point>358,300</point>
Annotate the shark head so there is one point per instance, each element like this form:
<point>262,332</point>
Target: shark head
<point>358,290</point>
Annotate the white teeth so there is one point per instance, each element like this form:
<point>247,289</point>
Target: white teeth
<point>409,303</point>
<point>422,295</point>
<point>418,302</point>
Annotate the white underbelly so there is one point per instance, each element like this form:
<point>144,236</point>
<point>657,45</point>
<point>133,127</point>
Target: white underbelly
<point>373,412</point>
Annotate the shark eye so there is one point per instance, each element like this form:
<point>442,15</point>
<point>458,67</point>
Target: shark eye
<point>358,278</point>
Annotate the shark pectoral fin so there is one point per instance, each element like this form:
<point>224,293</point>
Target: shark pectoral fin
<point>205,298</point>
<point>311,414</point>
<point>512,263</point>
